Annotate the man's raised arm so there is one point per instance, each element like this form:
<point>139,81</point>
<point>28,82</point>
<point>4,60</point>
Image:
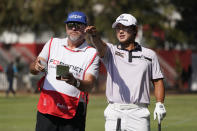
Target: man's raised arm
<point>96,40</point>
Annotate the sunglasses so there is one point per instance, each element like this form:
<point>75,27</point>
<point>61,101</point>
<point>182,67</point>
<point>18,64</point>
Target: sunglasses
<point>75,25</point>
<point>124,28</point>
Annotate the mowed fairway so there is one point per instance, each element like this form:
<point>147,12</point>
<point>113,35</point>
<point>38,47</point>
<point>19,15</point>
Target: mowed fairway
<point>19,113</point>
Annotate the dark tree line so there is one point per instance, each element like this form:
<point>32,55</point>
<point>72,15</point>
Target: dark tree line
<point>40,15</point>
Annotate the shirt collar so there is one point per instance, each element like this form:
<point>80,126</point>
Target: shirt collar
<point>137,47</point>
<point>82,47</point>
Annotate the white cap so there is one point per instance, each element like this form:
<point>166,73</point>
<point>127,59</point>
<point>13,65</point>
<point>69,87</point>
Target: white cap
<point>126,20</point>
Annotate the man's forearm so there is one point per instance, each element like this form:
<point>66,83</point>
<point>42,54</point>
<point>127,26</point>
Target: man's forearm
<point>96,40</point>
<point>159,90</point>
<point>85,86</point>
<point>99,44</point>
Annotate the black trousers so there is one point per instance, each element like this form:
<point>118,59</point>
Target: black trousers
<point>46,122</point>
<point>10,80</point>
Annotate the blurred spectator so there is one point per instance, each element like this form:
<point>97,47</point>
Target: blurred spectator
<point>185,80</point>
<point>11,71</point>
<point>20,68</point>
<point>189,76</point>
<point>1,68</point>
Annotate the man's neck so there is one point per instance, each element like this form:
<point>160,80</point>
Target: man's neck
<point>73,45</point>
<point>129,46</point>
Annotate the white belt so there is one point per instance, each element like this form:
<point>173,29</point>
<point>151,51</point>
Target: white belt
<point>127,106</point>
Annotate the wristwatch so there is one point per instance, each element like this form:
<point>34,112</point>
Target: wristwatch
<point>77,83</point>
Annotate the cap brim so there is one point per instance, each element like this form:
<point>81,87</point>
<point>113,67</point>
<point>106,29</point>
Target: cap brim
<point>114,24</point>
<point>121,22</point>
<point>75,21</point>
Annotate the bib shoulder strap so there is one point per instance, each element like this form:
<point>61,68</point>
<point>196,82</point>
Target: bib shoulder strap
<point>50,48</point>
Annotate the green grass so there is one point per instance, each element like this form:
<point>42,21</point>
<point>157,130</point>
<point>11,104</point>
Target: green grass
<point>19,113</point>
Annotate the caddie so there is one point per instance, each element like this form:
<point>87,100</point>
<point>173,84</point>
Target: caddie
<point>63,100</point>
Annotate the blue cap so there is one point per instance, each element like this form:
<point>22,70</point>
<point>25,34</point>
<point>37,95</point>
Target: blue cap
<point>76,17</point>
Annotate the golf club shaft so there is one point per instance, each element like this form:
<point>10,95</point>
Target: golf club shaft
<point>118,126</point>
<point>159,126</point>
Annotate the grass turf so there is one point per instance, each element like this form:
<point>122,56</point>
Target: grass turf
<point>19,113</point>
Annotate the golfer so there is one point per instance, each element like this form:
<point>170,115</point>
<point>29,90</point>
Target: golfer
<point>130,70</point>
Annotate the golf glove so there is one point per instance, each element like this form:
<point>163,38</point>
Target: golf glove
<point>159,112</point>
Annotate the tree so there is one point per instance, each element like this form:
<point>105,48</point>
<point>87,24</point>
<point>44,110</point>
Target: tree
<point>41,15</point>
<point>187,8</point>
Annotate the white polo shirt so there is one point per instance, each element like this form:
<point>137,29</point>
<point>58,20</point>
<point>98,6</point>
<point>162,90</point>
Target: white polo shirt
<point>129,74</point>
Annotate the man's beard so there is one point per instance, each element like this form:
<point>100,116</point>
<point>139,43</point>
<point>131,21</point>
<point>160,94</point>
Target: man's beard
<point>74,39</point>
